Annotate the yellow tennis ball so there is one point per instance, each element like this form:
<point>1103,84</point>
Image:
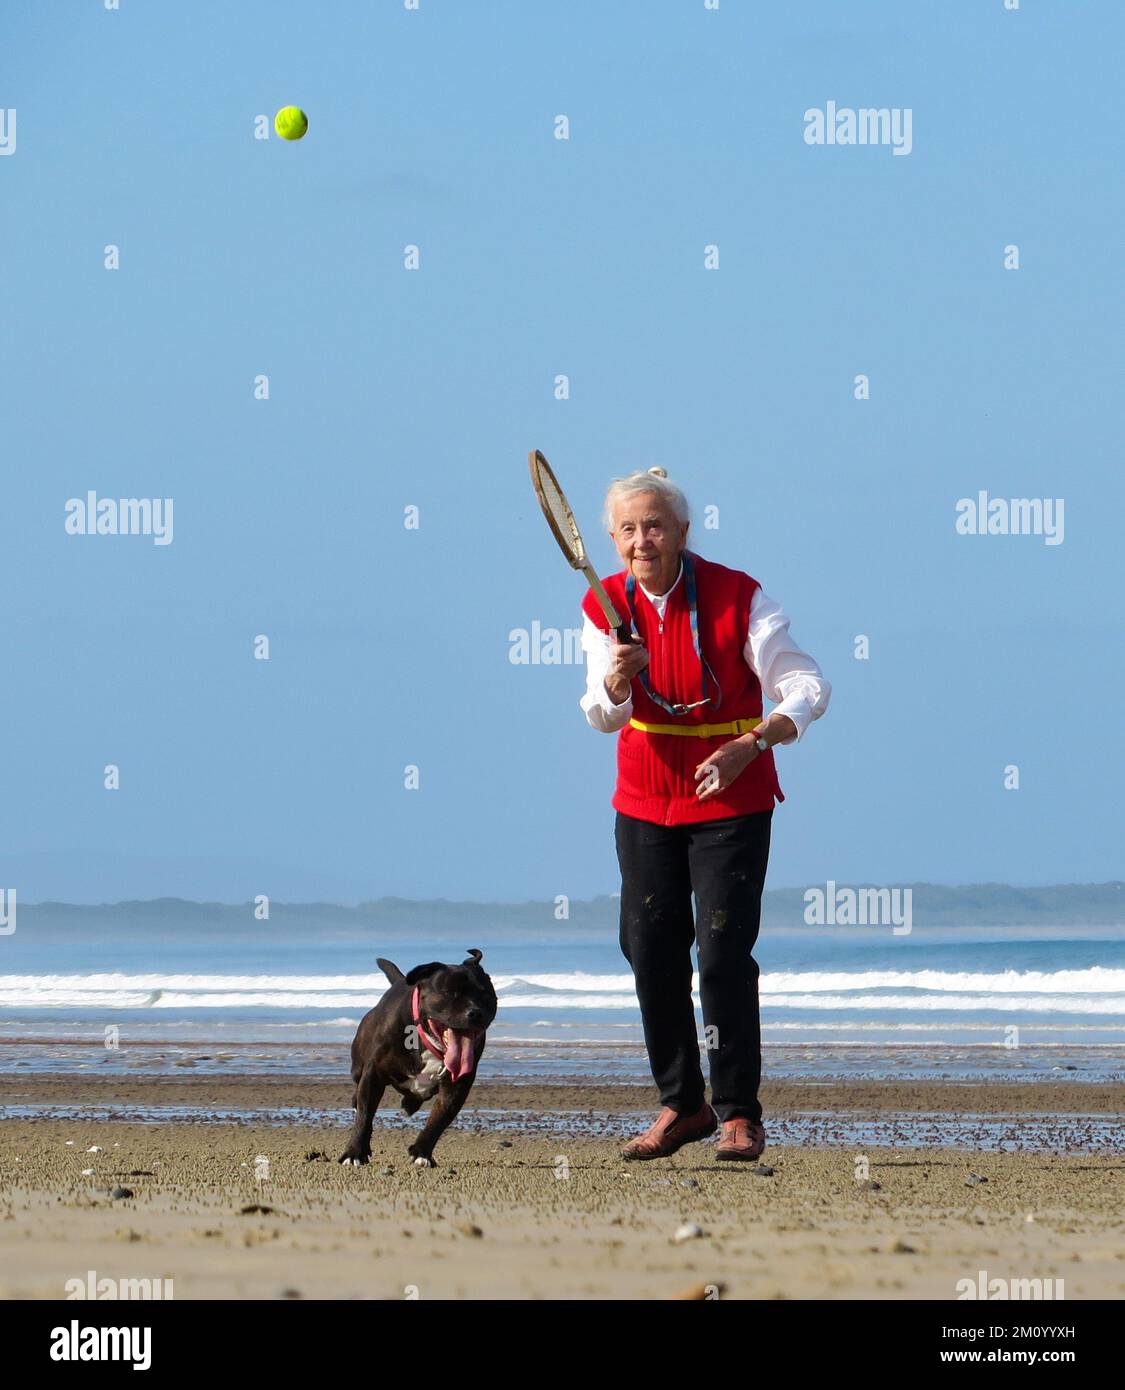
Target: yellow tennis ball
<point>290,123</point>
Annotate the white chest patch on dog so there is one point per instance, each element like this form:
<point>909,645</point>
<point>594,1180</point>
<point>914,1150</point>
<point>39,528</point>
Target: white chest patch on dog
<point>426,1082</point>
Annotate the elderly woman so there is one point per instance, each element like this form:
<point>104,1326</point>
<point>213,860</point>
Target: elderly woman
<point>696,787</point>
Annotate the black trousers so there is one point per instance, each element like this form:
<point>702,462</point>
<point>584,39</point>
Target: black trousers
<point>724,863</point>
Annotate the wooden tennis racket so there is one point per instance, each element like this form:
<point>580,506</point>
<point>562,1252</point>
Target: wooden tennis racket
<point>565,530</point>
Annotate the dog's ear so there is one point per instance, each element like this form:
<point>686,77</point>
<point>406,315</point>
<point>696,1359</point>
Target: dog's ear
<point>420,972</point>
<point>475,957</point>
<point>390,969</point>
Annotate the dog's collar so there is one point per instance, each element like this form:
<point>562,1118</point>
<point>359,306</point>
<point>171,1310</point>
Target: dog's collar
<point>431,1044</point>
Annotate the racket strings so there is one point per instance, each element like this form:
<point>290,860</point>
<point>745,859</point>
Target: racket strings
<point>559,513</point>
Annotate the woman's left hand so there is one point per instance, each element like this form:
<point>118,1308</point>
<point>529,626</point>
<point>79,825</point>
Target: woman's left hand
<point>719,769</point>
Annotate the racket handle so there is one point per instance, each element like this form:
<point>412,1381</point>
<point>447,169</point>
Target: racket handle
<point>625,634</point>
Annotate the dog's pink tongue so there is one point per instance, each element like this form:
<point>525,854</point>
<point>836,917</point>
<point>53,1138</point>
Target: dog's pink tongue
<point>458,1053</point>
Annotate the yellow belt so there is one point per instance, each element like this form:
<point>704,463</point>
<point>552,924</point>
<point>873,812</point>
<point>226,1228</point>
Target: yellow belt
<point>738,726</point>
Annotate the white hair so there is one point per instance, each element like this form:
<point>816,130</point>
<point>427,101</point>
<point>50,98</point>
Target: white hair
<point>654,480</point>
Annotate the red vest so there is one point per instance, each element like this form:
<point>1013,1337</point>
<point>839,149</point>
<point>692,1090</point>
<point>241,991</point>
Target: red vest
<point>655,772</point>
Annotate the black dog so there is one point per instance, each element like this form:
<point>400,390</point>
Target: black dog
<point>425,1035</point>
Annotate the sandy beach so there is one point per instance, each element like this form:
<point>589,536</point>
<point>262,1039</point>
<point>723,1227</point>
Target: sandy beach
<point>543,1207</point>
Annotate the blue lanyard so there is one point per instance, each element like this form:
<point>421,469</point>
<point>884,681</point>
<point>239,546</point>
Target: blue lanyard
<point>704,669</point>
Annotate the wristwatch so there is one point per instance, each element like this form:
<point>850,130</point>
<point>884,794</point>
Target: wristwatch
<point>761,745</point>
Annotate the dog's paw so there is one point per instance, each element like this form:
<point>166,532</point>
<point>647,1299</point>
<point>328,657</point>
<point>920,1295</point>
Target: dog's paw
<point>354,1160</point>
<point>423,1161</point>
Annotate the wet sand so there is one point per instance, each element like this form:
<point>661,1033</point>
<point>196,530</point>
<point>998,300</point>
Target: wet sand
<point>778,1097</point>
<point>520,1213</point>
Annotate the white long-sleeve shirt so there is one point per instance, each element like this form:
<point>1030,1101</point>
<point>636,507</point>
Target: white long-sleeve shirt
<point>788,676</point>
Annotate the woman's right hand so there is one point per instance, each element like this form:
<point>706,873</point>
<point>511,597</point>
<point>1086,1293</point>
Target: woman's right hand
<point>626,660</point>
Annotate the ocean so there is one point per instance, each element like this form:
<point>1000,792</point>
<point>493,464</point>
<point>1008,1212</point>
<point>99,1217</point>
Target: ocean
<point>138,994</point>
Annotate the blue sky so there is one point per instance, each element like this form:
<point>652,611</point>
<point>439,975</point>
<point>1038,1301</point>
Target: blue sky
<point>391,388</point>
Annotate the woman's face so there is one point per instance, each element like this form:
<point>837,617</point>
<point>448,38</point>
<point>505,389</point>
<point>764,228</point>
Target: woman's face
<point>649,539</point>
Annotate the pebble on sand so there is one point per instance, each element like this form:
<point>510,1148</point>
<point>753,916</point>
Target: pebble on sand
<point>688,1231</point>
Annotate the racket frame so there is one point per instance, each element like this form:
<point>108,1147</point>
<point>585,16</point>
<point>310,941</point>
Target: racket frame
<point>573,548</point>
